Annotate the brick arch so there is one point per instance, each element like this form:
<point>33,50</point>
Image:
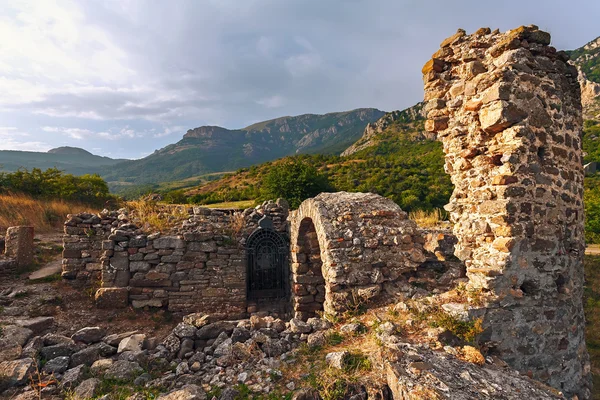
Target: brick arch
<point>348,248</point>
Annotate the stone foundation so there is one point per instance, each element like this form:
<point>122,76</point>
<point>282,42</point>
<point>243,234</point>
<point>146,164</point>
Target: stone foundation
<point>507,109</point>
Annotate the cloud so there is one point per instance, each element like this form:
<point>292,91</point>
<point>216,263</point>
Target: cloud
<point>275,101</point>
<point>122,70</point>
<point>8,140</point>
<point>168,131</point>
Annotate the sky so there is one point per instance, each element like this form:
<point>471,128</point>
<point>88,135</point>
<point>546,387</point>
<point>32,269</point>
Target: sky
<point>122,78</point>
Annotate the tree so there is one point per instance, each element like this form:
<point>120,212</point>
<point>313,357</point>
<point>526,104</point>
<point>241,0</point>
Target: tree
<point>294,180</point>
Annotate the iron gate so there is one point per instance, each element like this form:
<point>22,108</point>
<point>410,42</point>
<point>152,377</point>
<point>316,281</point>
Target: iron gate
<point>267,260</point>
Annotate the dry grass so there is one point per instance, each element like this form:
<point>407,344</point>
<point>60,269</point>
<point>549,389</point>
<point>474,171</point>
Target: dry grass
<point>428,219</point>
<point>44,215</point>
<point>237,205</point>
<point>155,216</point>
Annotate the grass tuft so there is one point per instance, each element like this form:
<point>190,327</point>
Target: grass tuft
<point>428,218</point>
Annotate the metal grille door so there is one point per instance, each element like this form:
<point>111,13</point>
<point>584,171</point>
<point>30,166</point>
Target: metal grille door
<point>267,260</point>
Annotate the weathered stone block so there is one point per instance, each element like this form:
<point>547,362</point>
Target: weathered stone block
<point>169,242</point>
<point>19,245</point>
<point>112,298</point>
<point>499,115</point>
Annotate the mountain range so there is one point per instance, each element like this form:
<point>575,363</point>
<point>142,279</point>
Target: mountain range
<point>209,149</point>
<point>212,149</point>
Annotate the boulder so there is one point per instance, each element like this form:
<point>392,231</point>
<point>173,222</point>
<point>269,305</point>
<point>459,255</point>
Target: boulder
<point>87,389</point>
<point>89,335</point>
<point>200,319</point>
<point>336,359</point>
<point>33,347</point>
<point>72,377</point>
<point>354,328</point>
<point>125,370</point>
<point>187,392</point>
<point>115,339</point>
<point>274,348</point>
<point>37,325</point>
<point>223,349</point>
<point>58,350</point>
<point>240,335</point>
<point>132,343</point>
<point>299,326</point>
<point>211,331</point>
<point>184,330</point>
<point>172,343</point>
<point>15,373</point>
<point>57,365</point>
<point>318,324</point>
<point>15,335</point>
<point>52,339</point>
<point>91,354</point>
<point>100,366</point>
<point>316,339</point>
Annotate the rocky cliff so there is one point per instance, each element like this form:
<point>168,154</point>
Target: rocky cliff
<point>408,121</point>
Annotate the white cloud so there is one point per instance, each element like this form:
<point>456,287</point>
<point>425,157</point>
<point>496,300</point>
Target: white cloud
<point>117,69</point>
<point>168,131</point>
<point>9,140</point>
<point>275,101</point>
<point>75,133</point>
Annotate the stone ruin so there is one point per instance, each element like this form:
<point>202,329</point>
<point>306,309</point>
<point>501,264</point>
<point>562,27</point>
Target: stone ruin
<point>507,108</point>
<point>349,248</point>
<point>16,250</point>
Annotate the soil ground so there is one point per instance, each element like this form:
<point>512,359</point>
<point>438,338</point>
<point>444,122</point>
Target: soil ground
<point>72,307</point>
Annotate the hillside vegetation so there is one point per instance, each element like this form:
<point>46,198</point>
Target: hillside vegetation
<point>54,184</point>
<point>587,58</point>
<point>400,162</point>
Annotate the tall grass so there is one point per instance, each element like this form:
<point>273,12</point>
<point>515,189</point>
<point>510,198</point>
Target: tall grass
<point>429,219</point>
<point>44,215</point>
<point>151,215</point>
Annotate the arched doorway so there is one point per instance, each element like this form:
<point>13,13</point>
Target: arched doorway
<point>309,284</point>
<point>267,265</point>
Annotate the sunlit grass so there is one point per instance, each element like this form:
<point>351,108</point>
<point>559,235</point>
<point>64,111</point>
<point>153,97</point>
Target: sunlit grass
<point>428,218</point>
<point>238,205</point>
<point>43,215</point>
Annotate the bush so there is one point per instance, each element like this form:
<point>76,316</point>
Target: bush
<point>294,180</point>
<point>54,184</point>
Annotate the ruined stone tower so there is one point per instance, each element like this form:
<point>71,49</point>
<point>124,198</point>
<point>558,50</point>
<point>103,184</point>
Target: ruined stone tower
<point>507,109</point>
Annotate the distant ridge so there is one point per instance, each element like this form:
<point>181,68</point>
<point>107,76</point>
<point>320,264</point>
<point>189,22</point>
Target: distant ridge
<point>72,160</point>
<point>209,149</point>
<point>70,150</point>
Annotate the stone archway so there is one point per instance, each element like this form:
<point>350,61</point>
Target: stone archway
<point>347,248</point>
<point>307,268</point>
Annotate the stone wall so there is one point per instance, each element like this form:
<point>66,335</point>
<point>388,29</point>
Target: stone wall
<point>507,109</point>
<point>200,266</point>
<point>347,249</point>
